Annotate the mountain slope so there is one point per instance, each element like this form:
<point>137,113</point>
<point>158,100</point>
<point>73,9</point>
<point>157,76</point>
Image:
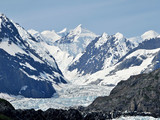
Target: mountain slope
<point>69,47</point>
<point>24,69</point>
<point>141,53</point>
<point>139,93</point>
<point>141,59</point>
<point>103,52</point>
<point>63,58</point>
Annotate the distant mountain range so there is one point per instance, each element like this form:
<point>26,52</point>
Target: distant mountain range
<point>35,64</point>
<point>104,59</point>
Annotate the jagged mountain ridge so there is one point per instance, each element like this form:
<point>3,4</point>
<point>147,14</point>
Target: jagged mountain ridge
<point>65,52</point>
<point>72,41</point>
<point>101,59</point>
<point>76,40</point>
<point>142,59</point>
<point>103,52</point>
<point>24,69</point>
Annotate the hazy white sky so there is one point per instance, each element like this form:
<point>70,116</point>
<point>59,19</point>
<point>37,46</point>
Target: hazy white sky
<point>130,17</point>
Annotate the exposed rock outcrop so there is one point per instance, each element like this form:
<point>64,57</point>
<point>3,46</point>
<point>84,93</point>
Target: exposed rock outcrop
<point>140,93</point>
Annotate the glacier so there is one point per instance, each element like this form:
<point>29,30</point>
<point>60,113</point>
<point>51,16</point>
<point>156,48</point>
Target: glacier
<point>70,96</point>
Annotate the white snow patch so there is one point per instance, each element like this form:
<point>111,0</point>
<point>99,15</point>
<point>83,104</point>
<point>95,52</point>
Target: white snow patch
<point>28,65</point>
<point>23,88</point>
<point>35,58</point>
<point>12,48</point>
<point>31,76</point>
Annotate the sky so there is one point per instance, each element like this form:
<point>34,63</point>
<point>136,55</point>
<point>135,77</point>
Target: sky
<point>129,17</point>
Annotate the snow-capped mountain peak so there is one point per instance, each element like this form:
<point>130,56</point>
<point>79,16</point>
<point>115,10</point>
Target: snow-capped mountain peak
<point>149,35</point>
<point>119,36</point>
<point>76,31</point>
<point>76,40</point>
<point>104,35</point>
<point>145,36</point>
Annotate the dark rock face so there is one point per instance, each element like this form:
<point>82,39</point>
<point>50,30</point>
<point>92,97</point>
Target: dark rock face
<point>156,61</point>
<point>70,114</point>
<point>7,111</point>
<point>12,79</point>
<point>5,105</point>
<point>139,93</point>
<point>22,73</point>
